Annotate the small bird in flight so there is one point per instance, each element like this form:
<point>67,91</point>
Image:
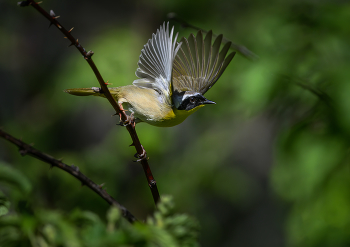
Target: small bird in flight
<point>173,78</point>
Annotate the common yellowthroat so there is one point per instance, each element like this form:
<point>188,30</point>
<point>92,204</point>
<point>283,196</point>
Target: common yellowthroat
<point>173,78</point>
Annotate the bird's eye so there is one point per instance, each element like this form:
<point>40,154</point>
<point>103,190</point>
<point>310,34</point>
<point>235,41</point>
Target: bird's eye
<point>192,100</point>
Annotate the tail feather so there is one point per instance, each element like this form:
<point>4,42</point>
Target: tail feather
<point>84,91</point>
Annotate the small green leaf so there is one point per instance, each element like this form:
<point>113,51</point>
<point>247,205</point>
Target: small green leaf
<point>113,215</point>
<point>14,177</point>
<point>4,204</point>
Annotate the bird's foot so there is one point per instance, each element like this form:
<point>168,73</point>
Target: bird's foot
<point>129,121</point>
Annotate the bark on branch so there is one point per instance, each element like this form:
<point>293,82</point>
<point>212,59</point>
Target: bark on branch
<point>25,149</point>
<point>141,153</point>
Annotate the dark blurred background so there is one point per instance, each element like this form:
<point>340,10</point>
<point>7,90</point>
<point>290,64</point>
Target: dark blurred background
<point>268,165</point>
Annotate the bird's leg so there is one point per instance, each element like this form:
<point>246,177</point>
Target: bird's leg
<point>129,119</point>
<point>142,156</point>
<point>121,110</point>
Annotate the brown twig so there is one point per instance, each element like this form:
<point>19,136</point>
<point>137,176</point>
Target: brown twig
<point>244,51</point>
<point>141,153</point>
<point>25,149</point>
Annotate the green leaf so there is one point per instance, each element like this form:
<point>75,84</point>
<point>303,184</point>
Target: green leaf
<point>15,178</point>
<point>4,204</point>
<point>113,215</point>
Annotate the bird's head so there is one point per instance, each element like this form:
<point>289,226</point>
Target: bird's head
<point>190,100</point>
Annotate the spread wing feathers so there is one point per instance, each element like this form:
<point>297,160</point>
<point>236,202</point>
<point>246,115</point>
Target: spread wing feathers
<point>155,63</point>
<point>198,64</point>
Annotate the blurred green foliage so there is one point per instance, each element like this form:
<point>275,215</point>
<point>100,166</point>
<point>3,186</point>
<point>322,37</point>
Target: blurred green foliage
<point>267,166</point>
<point>44,228</point>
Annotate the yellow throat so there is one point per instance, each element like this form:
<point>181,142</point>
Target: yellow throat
<point>174,117</point>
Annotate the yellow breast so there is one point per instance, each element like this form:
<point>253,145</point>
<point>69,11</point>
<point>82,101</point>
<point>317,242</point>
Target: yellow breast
<point>147,105</point>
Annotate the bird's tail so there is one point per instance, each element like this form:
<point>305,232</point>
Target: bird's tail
<point>95,91</point>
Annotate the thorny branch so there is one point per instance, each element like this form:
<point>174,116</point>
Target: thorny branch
<point>141,153</point>
<point>25,149</point>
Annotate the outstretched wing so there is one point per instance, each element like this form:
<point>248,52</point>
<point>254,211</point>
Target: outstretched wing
<point>156,61</point>
<point>198,64</point>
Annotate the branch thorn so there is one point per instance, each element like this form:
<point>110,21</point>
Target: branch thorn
<point>52,14</point>
<point>71,30</point>
<point>23,151</point>
<point>89,54</point>
<point>75,168</point>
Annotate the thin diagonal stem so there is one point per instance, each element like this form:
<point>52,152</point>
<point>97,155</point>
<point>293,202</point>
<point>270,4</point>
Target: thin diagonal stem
<point>123,117</point>
<point>25,149</point>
